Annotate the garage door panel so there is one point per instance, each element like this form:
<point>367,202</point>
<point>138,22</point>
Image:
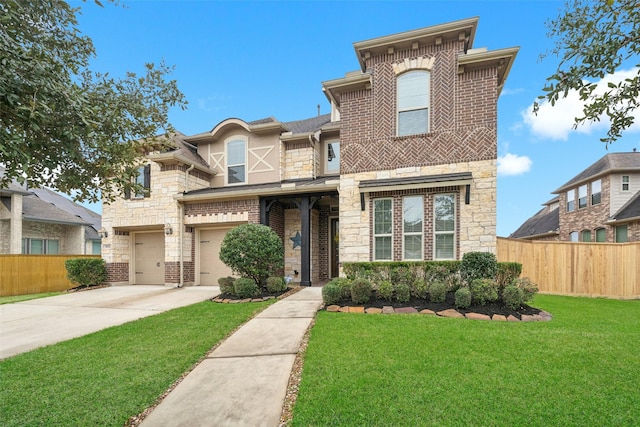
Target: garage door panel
<point>211,268</point>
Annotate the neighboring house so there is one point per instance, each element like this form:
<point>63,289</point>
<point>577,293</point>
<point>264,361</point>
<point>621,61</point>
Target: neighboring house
<point>40,221</point>
<point>600,204</point>
<point>403,168</point>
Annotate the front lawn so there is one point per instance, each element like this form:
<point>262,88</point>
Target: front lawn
<point>581,368</point>
<point>104,378</point>
<point>18,298</point>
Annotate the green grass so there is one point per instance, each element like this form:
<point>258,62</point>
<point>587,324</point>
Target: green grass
<point>104,378</point>
<point>18,298</point>
<point>582,368</point>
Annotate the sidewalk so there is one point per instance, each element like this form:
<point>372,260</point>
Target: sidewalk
<point>244,381</point>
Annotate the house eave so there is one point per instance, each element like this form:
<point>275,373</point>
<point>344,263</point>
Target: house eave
<point>623,220</point>
<point>350,82</point>
<point>173,157</point>
<point>503,59</point>
<point>413,183</point>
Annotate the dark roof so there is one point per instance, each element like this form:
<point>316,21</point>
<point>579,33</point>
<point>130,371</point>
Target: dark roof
<point>187,150</point>
<point>308,125</point>
<point>541,223</point>
<point>36,209</point>
<point>272,188</point>
<point>612,162</point>
<point>631,209</point>
<point>263,121</point>
<point>78,211</point>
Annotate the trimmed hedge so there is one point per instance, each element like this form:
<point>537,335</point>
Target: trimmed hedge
<point>86,271</point>
<point>420,269</point>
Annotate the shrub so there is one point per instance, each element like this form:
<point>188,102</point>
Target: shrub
<point>512,296</point>
<point>344,285</point>
<point>484,291</point>
<point>478,265</point>
<point>276,284</point>
<point>332,292</point>
<point>529,289</point>
<point>385,290</point>
<point>403,292</point>
<point>245,287</point>
<point>507,273</point>
<point>252,250</point>
<point>454,281</point>
<point>402,274</point>
<point>361,291</point>
<point>420,289</point>
<point>463,297</point>
<point>226,285</point>
<point>438,292</point>
<point>86,271</point>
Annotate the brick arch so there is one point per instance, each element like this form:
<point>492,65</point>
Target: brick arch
<point>409,64</point>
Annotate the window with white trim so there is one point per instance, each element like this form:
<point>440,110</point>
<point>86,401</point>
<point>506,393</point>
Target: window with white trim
<point>382,229</point>
<point>236,161</point>
<point>444,206</point>
<point>596,192</point>
<point>413,103</point>
<point>412,227</point>
<point>582,196</point>
<point>571,200</point>
<point>625,182</point>
<point>333,157</point>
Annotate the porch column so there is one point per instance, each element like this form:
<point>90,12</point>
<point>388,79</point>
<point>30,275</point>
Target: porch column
<point>305,250</point>
<point>264,215</point>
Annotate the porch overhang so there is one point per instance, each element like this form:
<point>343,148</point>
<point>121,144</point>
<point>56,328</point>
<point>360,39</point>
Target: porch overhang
<point>418,182</point>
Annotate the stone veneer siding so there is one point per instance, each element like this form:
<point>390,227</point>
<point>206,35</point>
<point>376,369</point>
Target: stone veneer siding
<point>476,221</point>
<point>298,160</point>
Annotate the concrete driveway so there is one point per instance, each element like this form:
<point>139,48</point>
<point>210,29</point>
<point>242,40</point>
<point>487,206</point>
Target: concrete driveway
<point>27,325</point>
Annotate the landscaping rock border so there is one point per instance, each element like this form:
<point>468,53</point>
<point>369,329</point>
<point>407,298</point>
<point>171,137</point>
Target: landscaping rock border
<point>543,316</point>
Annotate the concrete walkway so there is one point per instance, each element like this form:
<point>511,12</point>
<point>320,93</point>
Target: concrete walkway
<point>27,325</point>
<point>244,381</point>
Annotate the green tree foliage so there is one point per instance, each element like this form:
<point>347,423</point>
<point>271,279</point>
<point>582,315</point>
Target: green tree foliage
<point>252,250</point>
<point>63,125</point>
<point>593,39</point>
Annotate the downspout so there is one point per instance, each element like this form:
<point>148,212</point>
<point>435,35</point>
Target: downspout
<point>181,224</point>
<point>313,140</point>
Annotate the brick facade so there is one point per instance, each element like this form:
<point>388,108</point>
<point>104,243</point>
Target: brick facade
<point>589,218</point>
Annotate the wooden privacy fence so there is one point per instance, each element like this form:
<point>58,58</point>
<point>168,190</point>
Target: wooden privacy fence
<point>33,274</point>
<point>568,268</point>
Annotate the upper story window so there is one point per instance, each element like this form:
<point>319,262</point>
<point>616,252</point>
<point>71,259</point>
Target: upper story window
<point>582,196</point>
<point>382,229</point>
<point>625,182</point>
<point>412,220</point>
<point>333,157</point>
<point>413,102</point>
<point>236,161</point>
<point>445,226</point>
<point>143,179</point>
<point>571,200</point>
<point>596,190</point>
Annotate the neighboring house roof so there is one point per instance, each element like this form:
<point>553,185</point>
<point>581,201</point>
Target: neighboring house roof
<point>36,209</point>
<point>612,162</point>
<point>79,212</point>
<point>541,224</point>
<point>630,210</point>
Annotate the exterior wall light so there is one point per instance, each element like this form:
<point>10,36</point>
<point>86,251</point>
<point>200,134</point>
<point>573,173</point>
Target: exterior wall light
<point>167,229</point>
<point>103,233</point>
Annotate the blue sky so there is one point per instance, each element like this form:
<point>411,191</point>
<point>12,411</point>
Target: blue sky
<point>257,59</point>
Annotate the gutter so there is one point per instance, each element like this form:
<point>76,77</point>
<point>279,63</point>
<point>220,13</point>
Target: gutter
<point>181,224</point>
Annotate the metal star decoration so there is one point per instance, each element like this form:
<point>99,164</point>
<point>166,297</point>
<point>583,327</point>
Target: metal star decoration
<point>297,240</point>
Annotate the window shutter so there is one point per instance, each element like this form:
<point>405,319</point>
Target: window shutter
<point>147,180</point>
<point>127,193</point>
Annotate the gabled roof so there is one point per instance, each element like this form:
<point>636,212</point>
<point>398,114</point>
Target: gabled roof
<point>36,209</point>
<point>630,210</point>
<point>78,211</point>
<point>611,163</point>
<point>541,224</point>
<point>183,152</point>
<point>308,125</point>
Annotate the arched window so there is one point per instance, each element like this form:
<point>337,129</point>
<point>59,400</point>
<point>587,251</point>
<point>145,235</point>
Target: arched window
<point>586,235</point>
<point>413,102</point>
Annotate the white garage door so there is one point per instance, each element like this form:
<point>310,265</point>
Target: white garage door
<point>211,268</point>
<point>149,259</point>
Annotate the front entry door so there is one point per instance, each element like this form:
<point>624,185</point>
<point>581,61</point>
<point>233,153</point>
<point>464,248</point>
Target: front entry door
<point>334,244</point>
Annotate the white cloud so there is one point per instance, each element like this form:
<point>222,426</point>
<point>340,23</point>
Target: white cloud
<point>512,164</point>
<point>508,91</point>
<point>556,122</point>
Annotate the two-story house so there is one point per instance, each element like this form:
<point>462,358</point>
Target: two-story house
<point>600,204</point>
<point>403,168</point>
